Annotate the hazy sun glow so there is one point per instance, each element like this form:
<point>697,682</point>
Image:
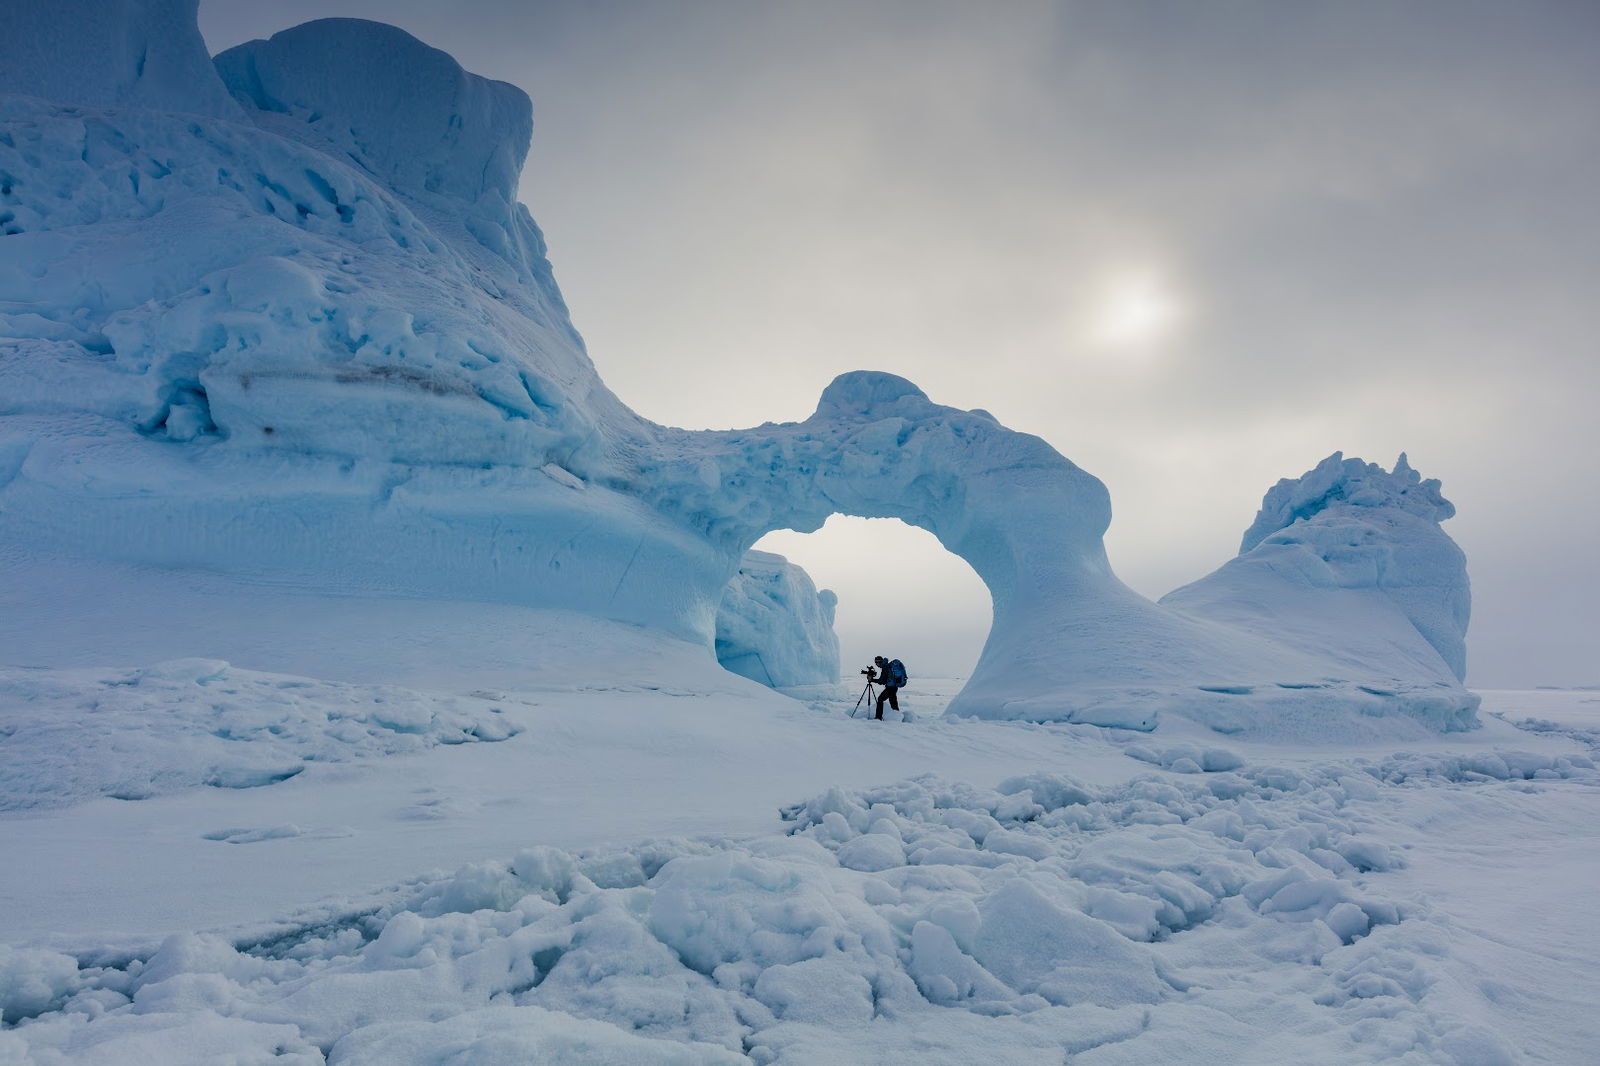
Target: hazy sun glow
<point>1133,309</point>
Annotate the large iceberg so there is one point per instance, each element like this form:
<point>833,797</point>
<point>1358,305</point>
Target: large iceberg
<point>281,320</point>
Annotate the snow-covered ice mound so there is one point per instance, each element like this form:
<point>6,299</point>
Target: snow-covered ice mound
<point>71,735</point>
<point>281,318</point>
<point>1349,561</point>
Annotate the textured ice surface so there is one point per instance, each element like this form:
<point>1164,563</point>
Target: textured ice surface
<point>132,734</point>
<point>307,337</point>
<point>340,85</point>
<point>1248,913</point>
<point>111,53</point>
<point>775,627</point>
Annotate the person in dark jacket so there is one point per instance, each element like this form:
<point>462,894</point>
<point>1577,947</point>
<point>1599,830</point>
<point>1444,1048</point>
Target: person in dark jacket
<point>891,681</point>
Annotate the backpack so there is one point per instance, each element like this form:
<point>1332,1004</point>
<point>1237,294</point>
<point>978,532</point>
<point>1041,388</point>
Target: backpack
<point>897,673</point>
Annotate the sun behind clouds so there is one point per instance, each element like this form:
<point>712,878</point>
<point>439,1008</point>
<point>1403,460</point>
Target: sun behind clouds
<point>1132,310</point>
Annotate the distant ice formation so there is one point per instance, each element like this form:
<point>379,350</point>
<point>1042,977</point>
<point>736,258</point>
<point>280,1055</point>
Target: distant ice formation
<point>775,627</point>
<point>282,319</point>
<point>1353,525</point>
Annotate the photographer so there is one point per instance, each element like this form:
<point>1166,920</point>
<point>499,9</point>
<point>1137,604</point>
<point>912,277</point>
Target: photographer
<point>891,674</point>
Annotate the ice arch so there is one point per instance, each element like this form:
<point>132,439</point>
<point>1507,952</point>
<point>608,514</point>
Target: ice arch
<point>1070,641</point>
<point>1027,520</point>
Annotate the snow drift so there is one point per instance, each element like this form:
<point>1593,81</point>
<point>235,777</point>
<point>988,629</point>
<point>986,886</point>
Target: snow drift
<point>281,319</point>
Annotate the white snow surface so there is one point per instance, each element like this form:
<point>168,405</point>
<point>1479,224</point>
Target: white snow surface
<point>306,337</point>
<point>132,734</point>
<point>641,876</point>
<point>774,627</point>
<point>664,862</point>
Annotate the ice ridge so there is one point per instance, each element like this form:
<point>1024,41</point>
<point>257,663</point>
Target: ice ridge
<point>1349,482</point>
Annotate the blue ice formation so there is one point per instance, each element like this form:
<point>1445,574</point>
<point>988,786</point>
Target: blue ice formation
<point>111,53</point>
<point>282,319</point>
<point>1339,532</point>
<point>773,626</point>
<point>339,84</point>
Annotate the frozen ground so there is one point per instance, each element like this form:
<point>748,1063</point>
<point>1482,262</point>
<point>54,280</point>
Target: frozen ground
<point>659,862</point>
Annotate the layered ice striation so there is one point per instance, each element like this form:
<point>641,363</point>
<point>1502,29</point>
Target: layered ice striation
<point>774,627</point>
<point>280,318</point>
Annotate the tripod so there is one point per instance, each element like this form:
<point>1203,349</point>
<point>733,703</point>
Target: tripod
<point>864,694</point>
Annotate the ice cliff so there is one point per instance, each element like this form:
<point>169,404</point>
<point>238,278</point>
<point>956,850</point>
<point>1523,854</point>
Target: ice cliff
<point>280,318</point>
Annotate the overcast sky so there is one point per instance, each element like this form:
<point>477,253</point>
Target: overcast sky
<point>1195,246</point>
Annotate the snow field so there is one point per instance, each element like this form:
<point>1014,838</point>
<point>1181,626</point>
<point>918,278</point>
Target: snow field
<point>1162,917</point>
<point>69,736</point>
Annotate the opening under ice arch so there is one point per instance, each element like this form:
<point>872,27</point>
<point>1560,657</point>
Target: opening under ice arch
<point>1300,624</point>
<point>900,593</point>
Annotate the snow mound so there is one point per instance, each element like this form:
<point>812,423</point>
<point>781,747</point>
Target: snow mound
<point>775,628</point>
<point>1185,758</point>
<point>1040,915</point>
<point>71,735</point>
